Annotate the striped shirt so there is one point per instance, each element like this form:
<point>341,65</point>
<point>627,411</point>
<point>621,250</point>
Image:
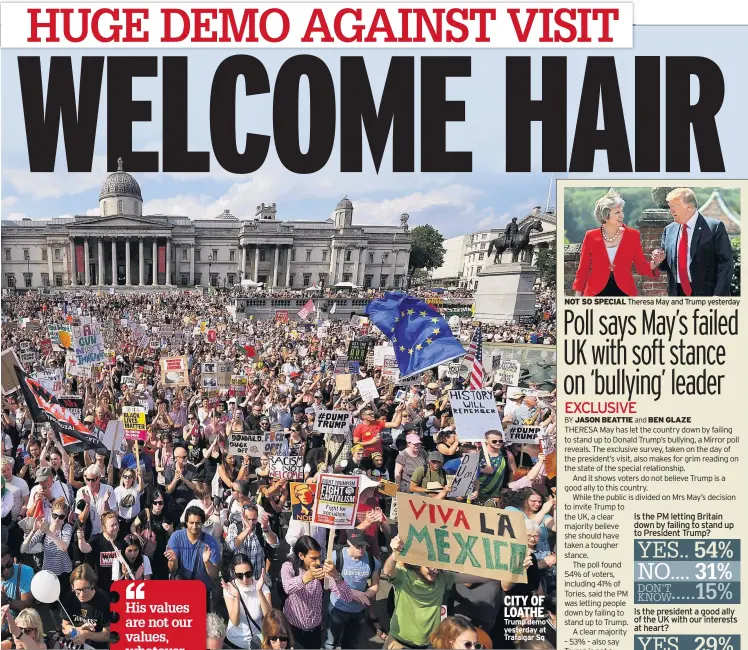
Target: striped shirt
<point>303,608</point>
<point>55,559</point>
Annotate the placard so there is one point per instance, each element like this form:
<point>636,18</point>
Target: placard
<point>281,315</point>
<point>525,435</point>
<point>28,358</point>
<point>174,371</point>
<point>129,381</point>
<point>337,501</point>
<point>390,369</point>
<point>343,382</point>
<point>341,365</point>
<point>133,418</point>
<point>357,350</point>
<point>288,468</point>
<point>475,412</point>
<point>485,542</point>
<point>239,384</point>
<point>462,481</point>
<point>547,441</point>
<point>255,444</point>
<point>380,352</point>
<point>388,488</point>
<point>88,343</point>
<point>302,500</point>
<point>368,389</point>
<point>453,370</point>
<point>507,373</point>
<point>332,421</point>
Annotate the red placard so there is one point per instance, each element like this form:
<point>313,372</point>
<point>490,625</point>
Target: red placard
<point>162,259</point>
<point>153,614</point>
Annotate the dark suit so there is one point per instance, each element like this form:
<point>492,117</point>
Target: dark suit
<point>711,258</point>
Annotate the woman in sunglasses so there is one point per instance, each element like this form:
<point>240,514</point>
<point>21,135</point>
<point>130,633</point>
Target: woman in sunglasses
<point>456,632</point>
<point>247,602</point>
<point>154,527</point>
<point>55,539</point>
<point>86,610</point>
<point>26,628</point>
<point>276,631</point>
<point>128,499</point>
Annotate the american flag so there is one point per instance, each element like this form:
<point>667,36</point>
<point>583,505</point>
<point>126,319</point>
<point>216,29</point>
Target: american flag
<point>475,354</point>
<point>306,309</point>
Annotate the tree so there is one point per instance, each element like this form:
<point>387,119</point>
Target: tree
<point>427,251</point>
<point>546,265</point>
<point>735,284</point>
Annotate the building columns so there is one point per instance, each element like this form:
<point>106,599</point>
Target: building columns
<point>340,265</point>
<point>155,262</point>
<point>141,262</point>
<point>177,259</point>
<point>361,266</point>
<point>333,253</point>
<point>288,267</point>
<point>394,266</point>
<point>168,262</point>
<point>101,262</point>
<point>257,261</point>
<point>192,265</point>
<point>74,273</point>
<point>127,261</point>
<point>243,250</point>
<point>275,266</point>
<point>49,266</point>
<point>114,261</point>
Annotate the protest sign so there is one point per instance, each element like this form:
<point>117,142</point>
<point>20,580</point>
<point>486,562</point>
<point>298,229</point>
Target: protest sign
<point>239,384</point>
<point>343,382</point>
<point>380,352</point>
<point>357,350</point>
<point>358,321</point>
<point>281,315</point>
<point>255,444</point>
<point>496,361</point>
<point>174,371</point>
<point>486,542</point>
<point>337,501</point>
<point>24,345</point>
<point>388,488</point>
<point>453,370</point>
<point>525,435</point>
<point>302,501</point>
<point>28,358</point>
<point>341,365</point>
<point>547,441</point>
<point>390,369</point>
<point>129,381</point>
<point>368,390</point>
<point>507,372</point>
<point>290,468</point>
<point>462,482</point>
<point>475,412</point>
<point>51,381</point>
<point>88,344</point>
<point>322,333</point>
<point>332,421</point>
<point>133,419</point>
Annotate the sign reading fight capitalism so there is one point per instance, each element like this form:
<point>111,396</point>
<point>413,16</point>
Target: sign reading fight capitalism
<point>475,412</point>
<point>337,501</point>
<point>486,542</point>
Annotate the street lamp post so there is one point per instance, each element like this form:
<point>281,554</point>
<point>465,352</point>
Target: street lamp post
<point>210,263</point>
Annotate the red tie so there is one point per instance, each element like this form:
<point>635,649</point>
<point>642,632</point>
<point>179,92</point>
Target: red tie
<point>683,261</point>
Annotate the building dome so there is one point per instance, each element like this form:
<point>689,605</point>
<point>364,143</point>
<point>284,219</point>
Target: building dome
<point>120,184</point>
<point>344,204</point>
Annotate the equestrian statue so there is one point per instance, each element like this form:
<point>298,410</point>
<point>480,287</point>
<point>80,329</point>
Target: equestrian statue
<point>515,239</point>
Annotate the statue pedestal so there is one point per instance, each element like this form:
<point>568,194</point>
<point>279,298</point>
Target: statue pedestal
<point>505,292</point>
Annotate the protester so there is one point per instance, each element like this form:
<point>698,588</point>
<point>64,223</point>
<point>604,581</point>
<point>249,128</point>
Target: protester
<point>456,632</point>
<point>87,608</point>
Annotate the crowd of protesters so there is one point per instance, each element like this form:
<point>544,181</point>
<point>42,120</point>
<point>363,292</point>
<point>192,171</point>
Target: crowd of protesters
<point>180,506</point>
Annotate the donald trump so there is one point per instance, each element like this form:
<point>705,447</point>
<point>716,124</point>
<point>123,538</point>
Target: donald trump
<point>696,251</point>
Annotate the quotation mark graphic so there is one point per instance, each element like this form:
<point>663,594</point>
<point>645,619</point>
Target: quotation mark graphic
<point>135,592</point>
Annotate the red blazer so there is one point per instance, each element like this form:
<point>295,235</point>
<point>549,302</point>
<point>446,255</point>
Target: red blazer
<point>595,266</point>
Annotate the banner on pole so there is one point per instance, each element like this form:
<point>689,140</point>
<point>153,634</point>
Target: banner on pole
<point>337,501</point>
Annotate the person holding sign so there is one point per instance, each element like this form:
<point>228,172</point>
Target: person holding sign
<point>302,580</point>
<point>431,479</point>
<point>369,432</point>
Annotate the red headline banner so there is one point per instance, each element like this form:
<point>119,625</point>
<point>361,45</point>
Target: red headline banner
<point>308,25</point>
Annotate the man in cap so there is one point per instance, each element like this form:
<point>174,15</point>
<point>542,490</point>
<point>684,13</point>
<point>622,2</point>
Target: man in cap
<point>360,570</point>
<point>512,404</point>
<point>430,479</point>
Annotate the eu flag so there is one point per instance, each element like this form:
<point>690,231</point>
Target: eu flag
<point>420,336</point>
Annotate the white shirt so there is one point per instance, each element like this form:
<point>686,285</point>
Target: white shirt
<point>691,225</point>
<point>612,250</point>
<point>106,494</point>
<point>240,635</point>
<point>128,512</point>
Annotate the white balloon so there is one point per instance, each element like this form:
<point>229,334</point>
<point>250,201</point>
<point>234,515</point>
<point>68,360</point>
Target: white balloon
<point>45,587</point>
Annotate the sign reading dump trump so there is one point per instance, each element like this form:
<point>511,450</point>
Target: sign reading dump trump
<point>332,421</point>
<point>486,542</point>
<point>475,412</point>
<point>522,434</point>
<point>337,501</point>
